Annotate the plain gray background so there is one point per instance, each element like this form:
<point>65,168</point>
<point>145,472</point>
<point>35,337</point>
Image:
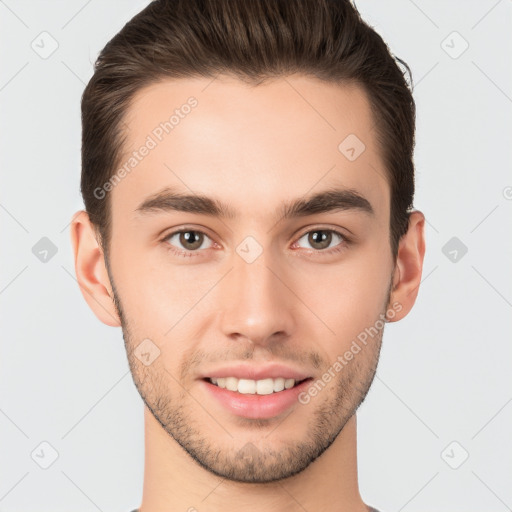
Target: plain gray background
<point>443,389</point>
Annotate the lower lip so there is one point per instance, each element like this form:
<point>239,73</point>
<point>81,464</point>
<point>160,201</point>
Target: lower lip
<point>256,406</point>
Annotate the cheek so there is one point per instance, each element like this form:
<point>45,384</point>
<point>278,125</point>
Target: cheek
<point>156,294</point>
<point>347,295</point>
<point>348,298</point>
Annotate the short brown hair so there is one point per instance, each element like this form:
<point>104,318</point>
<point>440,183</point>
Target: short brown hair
<point>253,41</point>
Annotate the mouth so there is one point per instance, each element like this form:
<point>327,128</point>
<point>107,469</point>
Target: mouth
<point>267,386</point>
<point>256,399</point>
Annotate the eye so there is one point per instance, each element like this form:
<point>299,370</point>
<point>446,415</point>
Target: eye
<point>189,240</point>
<point>320,239</point>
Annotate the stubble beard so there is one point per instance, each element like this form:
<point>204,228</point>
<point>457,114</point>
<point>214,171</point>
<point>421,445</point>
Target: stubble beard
<point>247,462</point>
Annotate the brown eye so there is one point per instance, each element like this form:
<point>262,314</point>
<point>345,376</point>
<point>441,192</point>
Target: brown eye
<point>188,240</point>
<point>191,240</point>
<point>320,239</point>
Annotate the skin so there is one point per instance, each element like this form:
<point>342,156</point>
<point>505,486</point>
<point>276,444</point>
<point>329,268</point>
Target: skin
<point>253,148</point>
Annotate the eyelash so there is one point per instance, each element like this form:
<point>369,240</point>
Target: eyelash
<point>187,254</point>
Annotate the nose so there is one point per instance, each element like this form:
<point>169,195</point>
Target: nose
<point>257,301</point>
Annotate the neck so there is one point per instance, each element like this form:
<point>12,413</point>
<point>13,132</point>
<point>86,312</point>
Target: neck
<point>174,481</point>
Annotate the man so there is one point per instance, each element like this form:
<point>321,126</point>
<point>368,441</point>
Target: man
<point>248,183</point>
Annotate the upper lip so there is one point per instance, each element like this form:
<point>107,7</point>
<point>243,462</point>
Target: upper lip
<point>251,372</point>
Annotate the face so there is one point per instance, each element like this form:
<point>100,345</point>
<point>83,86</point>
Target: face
<point>241,280</point>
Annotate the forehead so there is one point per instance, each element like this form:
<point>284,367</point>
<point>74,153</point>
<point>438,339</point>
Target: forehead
<point>252,146</point>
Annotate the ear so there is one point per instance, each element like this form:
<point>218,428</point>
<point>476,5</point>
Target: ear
<point>409,266</point>
<point>91,272</point>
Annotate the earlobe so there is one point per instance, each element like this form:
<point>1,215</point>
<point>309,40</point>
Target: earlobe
<point>90,269</point>
<point>409,265</point>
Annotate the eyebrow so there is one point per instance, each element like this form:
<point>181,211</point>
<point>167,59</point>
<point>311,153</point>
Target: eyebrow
<point>331,200</point>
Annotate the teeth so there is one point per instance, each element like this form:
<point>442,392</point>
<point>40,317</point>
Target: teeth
<point>231,384</point>
<point>247,387</point>
<point>265,386</point>
<point>279,384</point>
<point>289,383</point>
<point>252,387</point>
